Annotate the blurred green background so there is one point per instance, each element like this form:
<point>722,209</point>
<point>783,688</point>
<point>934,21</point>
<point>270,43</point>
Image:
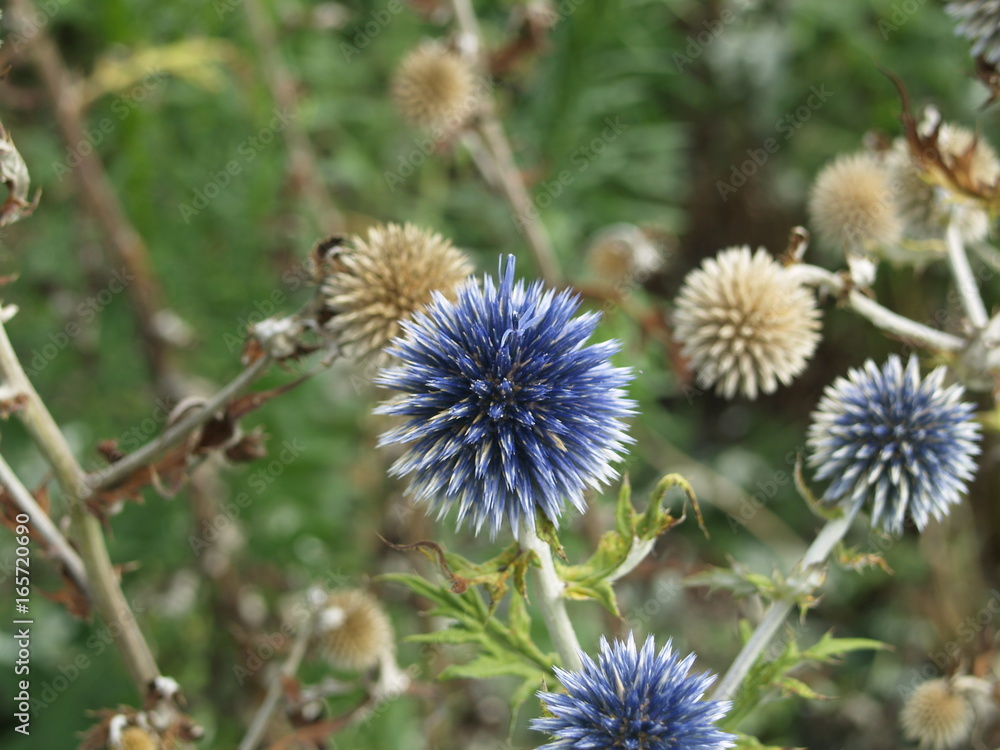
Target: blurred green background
<point>194,90</point>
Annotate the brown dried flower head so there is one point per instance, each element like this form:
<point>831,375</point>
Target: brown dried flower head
<point>937,715</point>
<point>851,204</point>
<point>746,323</point>
<point>926,194</point>
<point>376,282</point>
<point>354,629</point>
<point>435,89</point>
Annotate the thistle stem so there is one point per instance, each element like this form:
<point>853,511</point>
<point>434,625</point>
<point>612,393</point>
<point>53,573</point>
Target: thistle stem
<point>106,595</point>
<point>40,521</point>
<point>968,292</point>
<point>498,147</point>
<point>276,688</point>
<point>881,317</point>
<point>550,601</point>
<point>806,580</point>
<point>174,434</point>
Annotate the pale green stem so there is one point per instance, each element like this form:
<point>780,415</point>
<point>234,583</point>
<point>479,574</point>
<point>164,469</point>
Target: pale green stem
<point>806,580</point>
<point>550,600</point>
<point>965,282</point>
<point>106,595</point>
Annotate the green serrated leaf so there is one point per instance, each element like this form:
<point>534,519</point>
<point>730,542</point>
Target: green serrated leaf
<point>518,619</point>
<point>599,590</point>
<point>491,665</point>
<point>546,531</point>
<point>829,647</point>
<point>791,686</point>
<point>449,636</point>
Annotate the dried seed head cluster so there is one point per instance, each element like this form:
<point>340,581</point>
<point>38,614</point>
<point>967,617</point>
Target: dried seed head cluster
<point>979,22</point>
<point>926,209</point>
<point>746,323</point>
<point>354,629</point>
<point>937,715</point>
<point>376,282</point>
<point>851,204</point>
<point>435,89</point>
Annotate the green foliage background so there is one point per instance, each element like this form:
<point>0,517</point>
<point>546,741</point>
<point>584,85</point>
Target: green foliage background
<point>688,123</point>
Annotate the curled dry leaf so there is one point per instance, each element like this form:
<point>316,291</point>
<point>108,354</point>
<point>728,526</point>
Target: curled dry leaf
<point>14,174</point>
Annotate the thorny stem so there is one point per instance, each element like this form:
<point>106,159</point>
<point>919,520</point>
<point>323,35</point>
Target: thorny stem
<point>40,521</point>
<point>498,146</point>
<point>550,601</point>
<point>106,594</point>
<point>965,282</point>
<point>177,432</point>
<point>807,579</point>
<point>881,317</point>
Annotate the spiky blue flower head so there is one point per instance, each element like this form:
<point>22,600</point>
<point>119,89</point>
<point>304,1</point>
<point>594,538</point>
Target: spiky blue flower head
<point>905,443</point>
<point>633,700</point>
<point>507,410</point>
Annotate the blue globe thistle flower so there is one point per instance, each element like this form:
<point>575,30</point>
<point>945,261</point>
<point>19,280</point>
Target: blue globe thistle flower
<point>507,409</point>
<point>633,700</point>
<point>887,434</point>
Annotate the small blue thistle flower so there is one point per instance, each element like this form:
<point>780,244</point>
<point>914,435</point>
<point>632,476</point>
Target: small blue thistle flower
<point>633,700</point>
<point>886,433</point>
<point>507,409</point>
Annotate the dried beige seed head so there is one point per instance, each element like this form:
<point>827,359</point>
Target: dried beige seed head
<point>926,209</point>
<point>376,282</point>
<point>937,716</point>
<point>622,255</point>
<point>851,204</point>
<point>136,738</point>
<point>746,323</point>
<point>354,629</point>
<point>435,89</point>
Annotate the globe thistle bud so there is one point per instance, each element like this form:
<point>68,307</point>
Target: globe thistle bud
<point>354,629</point>
<point>937,715</point>
<point>979,22</point>
<point>435,89</point>
<point>851,204</point>
<point>926,209</point>
<point>375,283</point>
<point>746,323</point>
